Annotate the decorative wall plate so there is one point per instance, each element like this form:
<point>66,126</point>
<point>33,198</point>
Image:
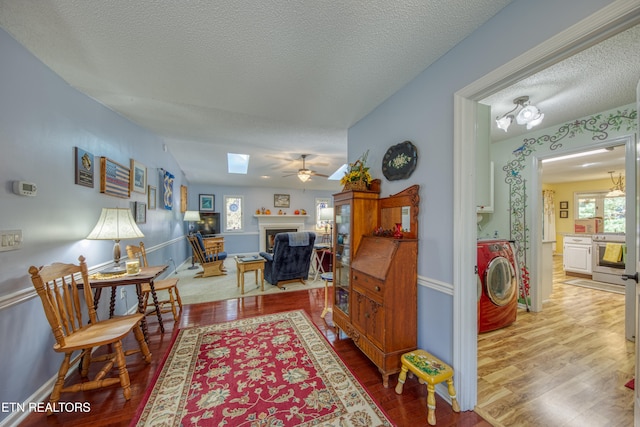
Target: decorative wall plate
<point>399,161</point>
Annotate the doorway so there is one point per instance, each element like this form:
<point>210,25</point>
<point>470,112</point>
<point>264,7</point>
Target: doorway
<point>597,27</point>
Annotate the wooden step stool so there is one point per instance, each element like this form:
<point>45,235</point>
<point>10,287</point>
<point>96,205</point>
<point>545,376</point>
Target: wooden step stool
<point>431,370</point>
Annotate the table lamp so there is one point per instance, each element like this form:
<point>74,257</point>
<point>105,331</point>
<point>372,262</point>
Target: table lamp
<point>191,216</point>
<point>115,224</point>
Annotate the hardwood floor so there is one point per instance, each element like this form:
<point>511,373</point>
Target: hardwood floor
<point>564,366</point>
<point>108,408</point>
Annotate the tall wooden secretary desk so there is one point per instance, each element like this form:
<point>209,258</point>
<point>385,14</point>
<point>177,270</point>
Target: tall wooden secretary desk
<point>375,274</point>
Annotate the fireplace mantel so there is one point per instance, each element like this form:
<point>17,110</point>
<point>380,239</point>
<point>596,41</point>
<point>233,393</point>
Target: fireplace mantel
<point>274,222</point>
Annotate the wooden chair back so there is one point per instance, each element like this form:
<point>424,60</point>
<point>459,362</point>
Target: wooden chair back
<point>63,303</point>
<point>211,257</point>
<point>138,252</point>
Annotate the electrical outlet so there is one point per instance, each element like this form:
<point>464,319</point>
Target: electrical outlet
<point>123,293</point>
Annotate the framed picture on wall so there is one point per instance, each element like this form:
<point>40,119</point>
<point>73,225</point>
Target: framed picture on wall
<point>84,167</point>
<point>141,212</point>
<point>281,200</point>
<point>564,214</point>
<point>183,198</point>
<point>207,203</point>
<point>114,178</point>
<point>564,205</point>
<point>151,197</point>
<point>138,179</point>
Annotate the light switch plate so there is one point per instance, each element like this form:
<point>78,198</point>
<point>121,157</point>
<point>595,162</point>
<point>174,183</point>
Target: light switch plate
<point>10,240</point>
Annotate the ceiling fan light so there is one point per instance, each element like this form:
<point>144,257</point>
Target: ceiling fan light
<point>615,193</point>
<point>304,175</point>
<point>504,122</point>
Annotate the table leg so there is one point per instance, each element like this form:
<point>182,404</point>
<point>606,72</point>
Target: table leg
<point>112,302</point>
<point>143,322</point>
<point>96,298</point>
<point>242,282</point>
<point>262,279</point>
<point>157,305</point>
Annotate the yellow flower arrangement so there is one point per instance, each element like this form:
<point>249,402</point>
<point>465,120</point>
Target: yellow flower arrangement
<point>358,171</point>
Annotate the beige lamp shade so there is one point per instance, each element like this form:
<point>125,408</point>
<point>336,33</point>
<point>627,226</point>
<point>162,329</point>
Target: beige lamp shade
<point>191,216</point>
<point>115,224</point>
<point>326,214</point>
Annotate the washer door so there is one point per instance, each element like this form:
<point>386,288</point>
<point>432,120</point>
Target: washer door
<point>500,283</point>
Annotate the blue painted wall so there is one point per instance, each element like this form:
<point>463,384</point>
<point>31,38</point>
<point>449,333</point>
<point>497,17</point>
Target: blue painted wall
<point>422,112</point>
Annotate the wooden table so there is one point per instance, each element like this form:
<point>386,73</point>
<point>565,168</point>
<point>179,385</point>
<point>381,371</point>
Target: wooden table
<point>146,275</point>
<point>244,264</point>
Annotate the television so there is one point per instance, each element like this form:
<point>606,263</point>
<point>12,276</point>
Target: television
<point>209,224</point>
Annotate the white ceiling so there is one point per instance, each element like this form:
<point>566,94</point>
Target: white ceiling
<point>270,78</point>
<point>597,79</point>
<point>278,79</point>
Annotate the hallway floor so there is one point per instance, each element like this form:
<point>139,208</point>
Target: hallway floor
<point>563,366</point>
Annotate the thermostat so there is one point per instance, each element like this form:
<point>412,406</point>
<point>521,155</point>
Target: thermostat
<point>24,188</point>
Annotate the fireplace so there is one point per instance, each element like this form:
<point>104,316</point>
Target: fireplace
<point>270,235</point>
<point>270,225</point>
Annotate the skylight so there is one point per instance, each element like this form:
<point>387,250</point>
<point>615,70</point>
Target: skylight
<point>339,173</point>
<point>238,163</point>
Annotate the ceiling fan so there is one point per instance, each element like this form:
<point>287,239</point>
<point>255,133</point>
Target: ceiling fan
<point>304,174</point>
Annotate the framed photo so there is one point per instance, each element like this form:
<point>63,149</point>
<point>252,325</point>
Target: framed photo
<point>114,178</point>
<point>564,205</point>
<point>151,196</point>
<point>564,214</point>
<point>84,167</point>
<point>138,177</point>
<point>183,198</point>
<point>141,212</point>
<point>280,200</point>
<point>207,203</point>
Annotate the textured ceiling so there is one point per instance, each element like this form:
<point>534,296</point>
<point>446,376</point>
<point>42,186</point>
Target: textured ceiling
<point>276,79</point>
<point>273,78</point>
<point>597,79</point>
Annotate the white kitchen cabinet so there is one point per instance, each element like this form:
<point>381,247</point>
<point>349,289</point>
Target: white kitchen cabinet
<point>576,254</point>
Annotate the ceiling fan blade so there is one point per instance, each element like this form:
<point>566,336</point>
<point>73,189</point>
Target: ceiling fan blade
<point>319,174</point>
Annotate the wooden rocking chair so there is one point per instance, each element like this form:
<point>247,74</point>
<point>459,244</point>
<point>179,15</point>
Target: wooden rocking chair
<point>170,285</point>
<point>210,257</point>
<point>57,288</point>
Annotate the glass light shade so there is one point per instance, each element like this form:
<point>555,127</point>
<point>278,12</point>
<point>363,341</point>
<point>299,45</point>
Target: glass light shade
<point>536,121</point>
<point>504,122</point>
<point>615,193</point>
<point>527,114</point>
<point>191,216</point>
<point>304,176</point>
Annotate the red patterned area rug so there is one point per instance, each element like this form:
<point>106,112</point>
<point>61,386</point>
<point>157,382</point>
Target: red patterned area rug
<point>273,370</point>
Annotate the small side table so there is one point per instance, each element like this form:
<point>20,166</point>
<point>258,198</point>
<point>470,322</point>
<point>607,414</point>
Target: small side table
<point>326,277</point>
<point>252,263</point>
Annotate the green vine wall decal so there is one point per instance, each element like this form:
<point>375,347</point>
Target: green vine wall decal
<point>599,126</point>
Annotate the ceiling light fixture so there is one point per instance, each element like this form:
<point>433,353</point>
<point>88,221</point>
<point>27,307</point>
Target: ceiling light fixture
<point>304,175</point>
<point>618,186</point>
<point>528,115</point>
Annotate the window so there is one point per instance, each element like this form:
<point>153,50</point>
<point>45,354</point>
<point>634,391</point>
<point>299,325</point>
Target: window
<point>321,203</point>
<point>233,213</point>
<point>611,209</point>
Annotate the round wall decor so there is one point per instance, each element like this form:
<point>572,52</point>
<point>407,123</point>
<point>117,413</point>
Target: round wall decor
<point>400,161</point>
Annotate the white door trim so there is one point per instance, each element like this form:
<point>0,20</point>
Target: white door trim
<point>610,20</point>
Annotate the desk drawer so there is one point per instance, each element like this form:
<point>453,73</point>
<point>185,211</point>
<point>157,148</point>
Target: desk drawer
<point>371,285</point>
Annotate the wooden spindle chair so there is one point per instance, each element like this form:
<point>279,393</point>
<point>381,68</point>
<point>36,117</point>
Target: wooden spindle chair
<point>173,303</point>
<point>210,257</point>
<point>64,304</point>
